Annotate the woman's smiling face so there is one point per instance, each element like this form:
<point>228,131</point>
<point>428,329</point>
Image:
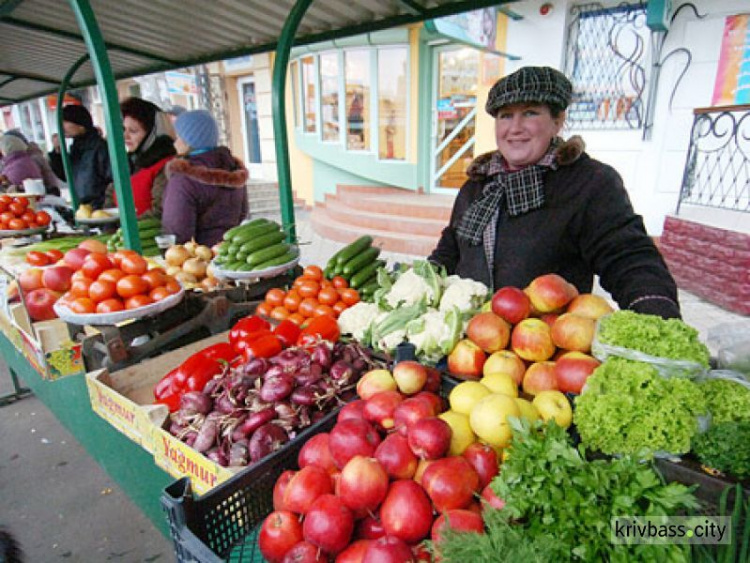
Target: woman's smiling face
<point>524,131</point>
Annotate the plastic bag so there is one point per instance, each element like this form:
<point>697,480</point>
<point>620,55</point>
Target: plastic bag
<point>731,341</point>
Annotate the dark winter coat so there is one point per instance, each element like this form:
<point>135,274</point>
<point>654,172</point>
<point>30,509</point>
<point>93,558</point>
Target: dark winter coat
<point>205,196</point>
<point>92,171</point>
<point>586,226</point>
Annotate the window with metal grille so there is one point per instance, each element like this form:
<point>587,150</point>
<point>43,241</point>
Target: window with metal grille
<point>606,61</point>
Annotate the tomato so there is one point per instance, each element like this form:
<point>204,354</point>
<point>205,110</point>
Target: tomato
<point>131,285</point>
<point>302,279</point>
<point>43,218</point>
<point>16,208</point>
<point>338,307</point>
<point>325,283</point>
<point>112,275</point>
<point>309,289</point>
<point>110,305</point>
<point>82,306</point>
<point>313,271</point>
<point>292,300</point>
<point>339,282</point>
<point>80,287</point>
<point>3,207</point>
<point>53,254</point>
<point>118,256</point>
<point>324,327</point>
<point>6,199</point>
<point>134,264</point>
<point>94,264</point>
<point>22,201</point>
<point>37,258</point>
<point>307,306</point>
<point>6,217</point>
<point>138,301</point>
<point>275,297</point>
<point>172,285</point>
<point>159,293</point>
<point>322,310</point>
<point>155,278</point>
<point>296,318</point>
<point>29,216</point>
<point>17,224</point>
<point>328,296</point>
<point>101,290</point>
<point>350,296</point>
<point>264,309</point>
<point>279,313</point>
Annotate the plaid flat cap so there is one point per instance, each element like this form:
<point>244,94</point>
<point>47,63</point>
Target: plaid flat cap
<point>530,84</point>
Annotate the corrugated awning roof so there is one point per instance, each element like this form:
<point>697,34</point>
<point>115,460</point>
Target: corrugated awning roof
<point>40,39</point>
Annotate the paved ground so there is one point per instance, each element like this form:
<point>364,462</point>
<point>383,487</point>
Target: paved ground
<point>63,507</point>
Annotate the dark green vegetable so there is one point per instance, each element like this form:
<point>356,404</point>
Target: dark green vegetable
<point>349,252</point>
<point>249,233</point>
<point>262,242</point>
<point>361,277</point>
<point>361,260</point>
<point>265,254</point>
<point>250,224</point>
<point>726,447</point>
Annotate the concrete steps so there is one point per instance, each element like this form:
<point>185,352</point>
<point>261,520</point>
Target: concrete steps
<point>263,199</point>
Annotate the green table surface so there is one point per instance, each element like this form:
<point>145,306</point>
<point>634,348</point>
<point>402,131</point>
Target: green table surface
<point>126,462</point>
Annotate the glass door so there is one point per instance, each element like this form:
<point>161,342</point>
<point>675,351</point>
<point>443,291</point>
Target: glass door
<point>250,129</point>
<point>454,111</point>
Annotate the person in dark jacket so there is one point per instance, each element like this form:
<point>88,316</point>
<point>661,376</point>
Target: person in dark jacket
<point>54,157</point>
<point>149,141</point>
<point>205,194</point>
<point>89,157</point>
<point>542,205</point>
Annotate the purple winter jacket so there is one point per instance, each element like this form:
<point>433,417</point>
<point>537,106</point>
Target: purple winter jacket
<point>19,166</point>
<point>205,196</point>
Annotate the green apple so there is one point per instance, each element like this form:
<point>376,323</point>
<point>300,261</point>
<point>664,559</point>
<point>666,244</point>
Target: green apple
<point>554,405</point>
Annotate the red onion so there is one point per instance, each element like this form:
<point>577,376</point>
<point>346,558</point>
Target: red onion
<point>277,388</point>
<point>217,456</point>
<point>256,420</point>
<point>224,404</point>
<point>212,385</point>
<point>322,354</point>
<point>292,359</point>
<point>273,372</point>
<point>238,454</point>
<point>341,371</point>
<point>195,402</point>
<point>266,439</point>
<point>309,375</point>
<point>305,395</point>
<point>256,367</point>
<point>208,432</point>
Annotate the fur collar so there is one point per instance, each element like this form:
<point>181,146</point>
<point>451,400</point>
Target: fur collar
<point>236,178</point>
<point>567,153</point>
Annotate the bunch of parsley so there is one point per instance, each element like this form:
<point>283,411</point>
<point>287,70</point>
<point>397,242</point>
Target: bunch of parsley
<point>726,447</point>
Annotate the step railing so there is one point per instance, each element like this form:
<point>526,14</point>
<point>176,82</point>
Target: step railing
<point>717,168</point>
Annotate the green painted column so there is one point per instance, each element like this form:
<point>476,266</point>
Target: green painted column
<point>281,141</point>
<point>113,122</point>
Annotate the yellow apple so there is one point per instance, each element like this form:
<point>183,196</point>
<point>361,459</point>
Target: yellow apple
<point>489,419</point>
<point>554,405</point>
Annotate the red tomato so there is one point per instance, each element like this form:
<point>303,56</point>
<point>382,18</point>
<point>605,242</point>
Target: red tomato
<point>131,285</point>
<point>6,217</point>
<point>53,254</point>
<point>314,272</point>
<point>82,306</point>
<point>302,279</point>
<point>307,307</point>
<point>350,296</point>
<point>17,209</point>
<point>80,287</point>
<point>292,300</point>
<point>3,206</point>
<point>328,296</point>
<point>22,201</point>
<point>138,301</point>
<point>296,318</point>
<point>159,293</point>
<point>94,264</point>
<point>6,199</point>
<point>43,218</point>
<point>110,305</point>
<point>17,224</point>
<point>275,297</point>
<point>29,216</point>
<point>118,256</point>
<point>101,290</point>
<point>172,285</point>
<point>112,274</point>
<point>279,313</point>
<point>323,310</point>
<point>308,289</point>
<point>37,258</point>
<point>264,309</point>
<point>338,307</point>
<point>155,278</point>
<point>134,264</point>
<point>339,282</point>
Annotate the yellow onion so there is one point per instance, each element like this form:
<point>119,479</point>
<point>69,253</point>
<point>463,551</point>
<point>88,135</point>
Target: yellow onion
<point>186,278</point>
<point>190,246</point>
<point>176,255</point>
<point>204,253</point>
<point>173,270</point>
<point>195,266</point>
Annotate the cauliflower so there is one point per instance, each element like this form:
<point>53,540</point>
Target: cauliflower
<point>357,319</point>
<point>435,333</point>
<point>464,294</point>
<point>409,289</point>
<point>391,340</point>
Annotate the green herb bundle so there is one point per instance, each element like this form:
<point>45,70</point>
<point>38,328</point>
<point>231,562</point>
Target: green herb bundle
<point>726,447</point>
<point>628,408</point>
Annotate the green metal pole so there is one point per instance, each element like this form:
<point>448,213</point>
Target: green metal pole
<point>67,166</point>
<point>112,120</point>
<point>283,48</point>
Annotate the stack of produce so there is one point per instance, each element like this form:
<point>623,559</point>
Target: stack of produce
<point>148,228</point>
<point>16,214</point>
<point>86,211</point>
<point>358,264</point>
<point>254,246</point>
<point>311,295</point>
<point>190,264</point>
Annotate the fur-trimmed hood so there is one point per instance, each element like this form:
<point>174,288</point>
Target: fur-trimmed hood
<point>215,168</point>
<point>567,153</point>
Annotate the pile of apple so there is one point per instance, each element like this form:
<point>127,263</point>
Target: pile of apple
<point>540,336</point>
<point>388,476</point>
<point>42,287</point>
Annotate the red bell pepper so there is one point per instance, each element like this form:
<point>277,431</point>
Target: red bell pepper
<point>288,332</point>
<point>324,327</point>
<point>265,346</point>
<point>243,328</point>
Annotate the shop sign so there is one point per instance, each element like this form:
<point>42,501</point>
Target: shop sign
<point>732,86</point>
<point>181,83</point>
<point>446,109</point>
<point>477,28</point>
<point>239,63</point>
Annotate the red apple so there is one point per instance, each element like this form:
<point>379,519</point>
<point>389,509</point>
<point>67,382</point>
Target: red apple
<point>375,381</point>
<point>488,331</point>
<point>450,483</point>
<point>484,460</point>
<point>31,279</point>
<point>434,380</point>
<point>410,376</point>
<point>380,408</point>
<point>434,399</point>
<point>590,305</point>
<point>406,511</point>
<point>505,361</point>
<point>411,410</point>
<point>456,519</point>
<point>573,332</point>
<point>511,303</point>
<point>75,257</point>
<point>281,530</point>
<point>304,552</point>
<point>57,278</point>
<point>550,318</point>
<point>388,549</point>
<point>396,457</point>
<point>328,524</point>
<point>363,484</point>
<point>305,487</point>
<point>572,370</point>
<point>489,497</point>
<point>550,292</point>
<point>429,438</point>
<point>369,528</point>
<point>352,437</point>
<point>355,552</point>
<point>532,340</point>
<point>39,304</point>
<point>421,468</point>
<point>317,452</point>
<point>466,360</point>
<point>279,488</point>
<point>540,376</point>
<point>352,410</point>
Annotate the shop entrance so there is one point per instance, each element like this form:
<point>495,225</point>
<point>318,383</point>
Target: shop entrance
<point>454,111</point>
<point>250,129</point>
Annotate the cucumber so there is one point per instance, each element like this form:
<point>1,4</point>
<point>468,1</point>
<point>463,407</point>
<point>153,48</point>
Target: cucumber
<point>249,225</point>
<point>278,261</point>
<point>265,254</point>
<point>361,277</point>
<point>246,235</point>
<point>241,256</point>
<point>262,242</point>
<point>370,287</point>
<point>234,265</point>
<point>361,260</point>
<point>331,264</point>
<point>354,249</point>
<point>233,249</point>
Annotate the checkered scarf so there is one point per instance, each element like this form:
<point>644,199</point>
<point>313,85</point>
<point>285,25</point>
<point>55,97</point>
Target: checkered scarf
<point>520,191</point>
